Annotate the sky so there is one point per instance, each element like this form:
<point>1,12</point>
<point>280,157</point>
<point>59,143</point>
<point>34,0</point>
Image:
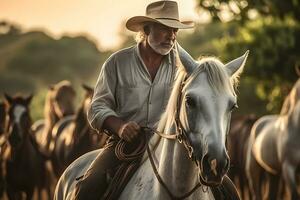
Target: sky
<point>101,20</point>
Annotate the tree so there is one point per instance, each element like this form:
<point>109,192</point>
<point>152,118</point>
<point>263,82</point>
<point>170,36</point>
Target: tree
<point>244,9</point>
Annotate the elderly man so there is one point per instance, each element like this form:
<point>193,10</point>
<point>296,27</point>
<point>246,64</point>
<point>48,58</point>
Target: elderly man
<point>133,89</point>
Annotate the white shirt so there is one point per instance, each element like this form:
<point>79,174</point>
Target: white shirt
<point>124,89</point>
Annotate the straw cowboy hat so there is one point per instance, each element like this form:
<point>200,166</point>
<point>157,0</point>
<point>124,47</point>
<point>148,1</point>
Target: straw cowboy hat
<point>163,12</point>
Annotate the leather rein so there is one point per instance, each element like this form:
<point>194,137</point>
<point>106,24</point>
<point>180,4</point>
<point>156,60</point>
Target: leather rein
<point>181,137</point>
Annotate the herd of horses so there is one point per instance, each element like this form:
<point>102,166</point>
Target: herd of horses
<point>34,155</point>
<point>263,154</point>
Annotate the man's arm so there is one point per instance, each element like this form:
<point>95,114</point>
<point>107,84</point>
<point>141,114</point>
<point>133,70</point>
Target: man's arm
<point>101,114</point>
<point>103,103</point>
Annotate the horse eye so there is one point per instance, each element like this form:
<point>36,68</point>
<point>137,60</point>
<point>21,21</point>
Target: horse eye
<point>190,102</point>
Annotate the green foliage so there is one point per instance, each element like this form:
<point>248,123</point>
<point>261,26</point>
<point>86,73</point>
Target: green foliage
<point>274,51</point>
<point>242,10</point>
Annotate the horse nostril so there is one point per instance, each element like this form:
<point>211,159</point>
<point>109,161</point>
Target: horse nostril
<point>213,166</point>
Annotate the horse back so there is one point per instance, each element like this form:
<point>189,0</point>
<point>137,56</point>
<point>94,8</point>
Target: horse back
<point>61,125</point>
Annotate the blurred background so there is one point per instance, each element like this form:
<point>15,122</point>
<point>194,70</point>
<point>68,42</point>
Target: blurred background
<point>43,42</point>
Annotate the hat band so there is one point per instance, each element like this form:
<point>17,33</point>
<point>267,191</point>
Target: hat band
<point>167,18</point>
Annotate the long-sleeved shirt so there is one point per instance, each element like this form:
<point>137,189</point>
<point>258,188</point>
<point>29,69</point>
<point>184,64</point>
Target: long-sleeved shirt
<point>124,89</point>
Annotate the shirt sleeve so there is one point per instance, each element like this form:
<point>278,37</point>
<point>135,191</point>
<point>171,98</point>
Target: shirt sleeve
<point>103,103</point>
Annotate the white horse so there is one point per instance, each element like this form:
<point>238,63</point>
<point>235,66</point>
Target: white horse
<point>198,115</point>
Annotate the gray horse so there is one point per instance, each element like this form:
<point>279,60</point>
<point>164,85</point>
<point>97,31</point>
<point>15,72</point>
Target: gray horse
<point>203,97</point>
<point>274,148</point>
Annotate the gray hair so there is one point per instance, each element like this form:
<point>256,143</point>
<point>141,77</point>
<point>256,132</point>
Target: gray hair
<point>140,36</point>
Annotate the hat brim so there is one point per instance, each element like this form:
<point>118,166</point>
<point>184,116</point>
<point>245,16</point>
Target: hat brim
<point>137,23</point>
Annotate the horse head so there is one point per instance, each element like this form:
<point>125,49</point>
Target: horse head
<point>61,98</point>
<point>19,120</point>
<point>206,101</point>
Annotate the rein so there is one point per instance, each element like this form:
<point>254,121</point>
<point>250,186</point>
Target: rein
<point>160,180</point>
<point>181,137</point>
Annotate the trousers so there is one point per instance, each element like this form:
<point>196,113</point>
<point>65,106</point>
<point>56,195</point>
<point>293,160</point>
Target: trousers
<point>95,181</point>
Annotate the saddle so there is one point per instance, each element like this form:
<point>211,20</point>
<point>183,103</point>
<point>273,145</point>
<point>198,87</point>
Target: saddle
<point>130,154</point>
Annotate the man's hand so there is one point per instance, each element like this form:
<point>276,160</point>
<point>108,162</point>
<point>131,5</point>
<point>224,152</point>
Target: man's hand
<point>129,131</point>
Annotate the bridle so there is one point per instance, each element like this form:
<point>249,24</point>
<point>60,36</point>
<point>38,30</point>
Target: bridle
<point>181,135</point>
<point>182,138</point>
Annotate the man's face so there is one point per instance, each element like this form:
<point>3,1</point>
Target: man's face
<point>161,38</point>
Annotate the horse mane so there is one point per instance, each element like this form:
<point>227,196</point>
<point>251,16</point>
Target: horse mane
<point>217,77</point>
<point>291,100</point>
<point>80,120</point>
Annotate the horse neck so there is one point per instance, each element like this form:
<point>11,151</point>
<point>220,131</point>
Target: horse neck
<point>81,124</point>
<point>49,113</point>
<point>25,148</point>
<point>294,120</point>
<point>176,169</point>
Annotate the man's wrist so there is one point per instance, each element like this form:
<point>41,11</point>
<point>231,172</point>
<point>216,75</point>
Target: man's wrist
<point>113,124</point>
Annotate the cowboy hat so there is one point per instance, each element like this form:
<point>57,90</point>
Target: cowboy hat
<point>163,12</point>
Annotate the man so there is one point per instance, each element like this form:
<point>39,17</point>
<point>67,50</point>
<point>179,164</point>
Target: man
<point>133,89</point>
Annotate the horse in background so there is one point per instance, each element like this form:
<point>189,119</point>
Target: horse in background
<point>237,143</point>
<point>274,148</point>
<point>191,145</point>
<point>2,117</point>
<point>59,103</point>
<point>3,145</point>
<point>25,166</point>
<point>75,136</point>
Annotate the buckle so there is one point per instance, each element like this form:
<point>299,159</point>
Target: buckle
<point>179,138</point>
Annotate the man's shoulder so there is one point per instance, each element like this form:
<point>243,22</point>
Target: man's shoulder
<point>123,53</point>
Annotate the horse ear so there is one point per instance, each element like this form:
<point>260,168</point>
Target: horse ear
<point>28,99</point>
<point>87,88</point>
<point>186,59</point>
<point>237,64</point>
<point>8,99</point>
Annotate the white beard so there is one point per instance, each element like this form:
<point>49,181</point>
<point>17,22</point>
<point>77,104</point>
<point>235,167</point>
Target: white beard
<point>157,48</point>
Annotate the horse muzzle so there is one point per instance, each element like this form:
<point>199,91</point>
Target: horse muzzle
<point>213,168</point>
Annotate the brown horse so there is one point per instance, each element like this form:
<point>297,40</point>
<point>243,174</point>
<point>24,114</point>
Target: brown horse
<point>237,142</point>
<point>274,148</point>
<point>25,166</point>
<point>75,136</point>
<point>2,117</point>
<point>3,145</point>
<point>59,104</point>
